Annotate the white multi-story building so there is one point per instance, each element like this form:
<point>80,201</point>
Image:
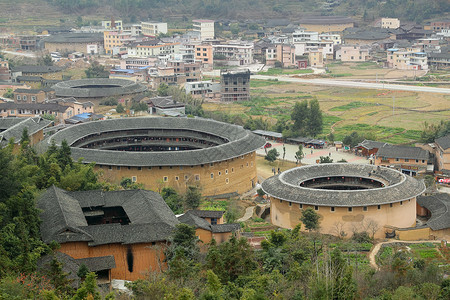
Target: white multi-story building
<point>235,53</point>
<point>330,37</point>
<point>300,35</point>
<point>153,29</point>
<point>151,48</point>
<point>407,59</point>
<point>307,41</point>
<point>205,27</point>
<point>111,24</point>
<point>392,23</point>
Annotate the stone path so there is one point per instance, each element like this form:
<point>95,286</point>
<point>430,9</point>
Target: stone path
<point>373,253</point>
<point>248,214</point>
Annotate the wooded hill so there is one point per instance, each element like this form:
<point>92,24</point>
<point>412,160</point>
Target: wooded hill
<point>135,10</point>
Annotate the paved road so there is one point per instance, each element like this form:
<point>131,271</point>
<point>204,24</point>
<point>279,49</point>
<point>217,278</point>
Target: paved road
<point>26,54</point>
<point>356,84</point>
<point>248,214</point>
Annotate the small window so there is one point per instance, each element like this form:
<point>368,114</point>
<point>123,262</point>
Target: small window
<point>423,161</point>
<point>332,208</point>
<point>18,97</point>
<point>220,173</point>
<point>118,167</point>
<point>149,168</point>
<point>350,209</point>
<point>390,204</point>
<point>110,167</point>
<point>226,171</point>
<point>186,177</point>
<point>177,178</point>
<point>212,175</point>
<point>281,201</point>
<point>129,168</point>
<point>227,181</point>
<point>417,160</point>
<point>379,206</point>
<point>211,164</point>
<point>165,178</point>
<point>160,168</point>
<point>290,203</point>
<point>133,178</point>
<point>316,207</point>
<point>364,208</point>
<point>406,160</point>
<point>197,177</point>
<point>401,202</point>
<point>301,206</point>
<point>181,167</point>
<point>397,159</point>
<point>232,170</point>
<point>139,168</point>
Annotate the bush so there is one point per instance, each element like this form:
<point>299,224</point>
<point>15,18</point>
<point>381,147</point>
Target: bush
<point>109,102</point>
<point>361,237</point>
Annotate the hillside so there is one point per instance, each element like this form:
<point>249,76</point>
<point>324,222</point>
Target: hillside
<point>27,14</point>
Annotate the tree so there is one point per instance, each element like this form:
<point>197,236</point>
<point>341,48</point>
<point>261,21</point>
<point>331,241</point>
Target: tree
<point>163,90</point>
<point>9,93</point>
<point>325,160</point>
<point>83,271</point>
<point>46,60</point>
<point>64,155</point>
<point>310,219</point>
<point>96,70</point>
<point>88,289</point>
<point>315,121</point>
<point>272,155</point>
<point>193,197</point>
<point>173,200</point>
<point>300,115</point>
<point>299,154</point>
<point>120,109</point>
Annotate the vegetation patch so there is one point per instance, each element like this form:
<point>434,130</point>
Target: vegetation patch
<point>254,83</point>
<point>351,105</point>
<point>279,71</point>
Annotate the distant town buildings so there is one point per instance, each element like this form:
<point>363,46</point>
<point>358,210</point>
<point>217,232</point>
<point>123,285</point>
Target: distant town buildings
<point>392,23</point>
<point>153,29</point>
<point>205,28</point>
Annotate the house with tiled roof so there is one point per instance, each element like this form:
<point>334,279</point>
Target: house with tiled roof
<point>12,129</point>
<point>209,225</point>
<point>133,226</point>
<point>443,153</point>
<point>408,160</point>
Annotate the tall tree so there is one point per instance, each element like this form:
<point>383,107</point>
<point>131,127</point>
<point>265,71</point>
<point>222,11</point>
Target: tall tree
<point>300,116</point>
<point>310,219</point>
<point>315,120</point>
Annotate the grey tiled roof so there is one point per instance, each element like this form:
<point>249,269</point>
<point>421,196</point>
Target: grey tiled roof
<point>208,213</point>
<point>444,142</point>
<point>240,142</point>
<point>193,220</point>
<point>165,102</point>
<point>75,38</point>
<point>439,206</point>
<point>34,106</point>
<point>369,145</point>
<point>221,228</point>
<point>80,88</point>
<point>391,151</point>
<point>14,127</point>
<point>286,186</point>
<point>64,221</point>
<point>95,264</point>
<point>37,69</point>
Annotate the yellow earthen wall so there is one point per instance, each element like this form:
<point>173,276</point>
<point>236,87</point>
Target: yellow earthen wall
<point>146,257</point>
<point>241,171</point>
<point>399,215</point>
<point>320,28</point>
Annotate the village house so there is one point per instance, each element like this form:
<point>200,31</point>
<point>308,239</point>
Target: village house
<point>165,106</point>
<point>353,53</point>
<point>392,23</point>
<point>281,53</point>
<point>408,160</point>
<point>5,73</point>
<point>151,48</point>
<point>12,128</point>
<point>209,225</point>
<point>46,72</point>
<point>326,23</point>
<point>87,43</point>
<point>234,53</point>
<point>192,71</point>
<point>153,29</point>
<point>30,95</point>
<point>204,53</point>
<point>442,153</point>
<point>315,58</point>
<point>114,40</point>
<point>207,90</point>
<point>407,59</point>
<point>235,85</point>
<point>205,28</point>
